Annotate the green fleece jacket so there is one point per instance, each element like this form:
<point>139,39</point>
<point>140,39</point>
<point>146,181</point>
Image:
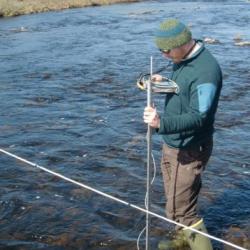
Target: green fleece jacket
<point>188,116</point>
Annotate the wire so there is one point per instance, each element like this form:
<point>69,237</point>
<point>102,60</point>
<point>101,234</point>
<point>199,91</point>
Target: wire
<point>119,200</point>
<point>156,72</point>
<point>145,201</point>
<point>138,239</point>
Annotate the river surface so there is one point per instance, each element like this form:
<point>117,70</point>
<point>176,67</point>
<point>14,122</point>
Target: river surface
<point>69,102</point>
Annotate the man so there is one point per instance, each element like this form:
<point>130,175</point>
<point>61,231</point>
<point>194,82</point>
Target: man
<point>186,125</point>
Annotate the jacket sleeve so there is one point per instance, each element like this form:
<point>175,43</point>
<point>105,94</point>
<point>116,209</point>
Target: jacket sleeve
<point>203,99</point>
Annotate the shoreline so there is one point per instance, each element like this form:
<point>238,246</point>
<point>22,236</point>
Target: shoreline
<point>11,8</point>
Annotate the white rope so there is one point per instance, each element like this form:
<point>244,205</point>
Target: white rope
<point>119,200</point>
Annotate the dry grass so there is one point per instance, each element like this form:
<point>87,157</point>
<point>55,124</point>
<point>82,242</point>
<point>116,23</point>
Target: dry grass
<point>22,7</point>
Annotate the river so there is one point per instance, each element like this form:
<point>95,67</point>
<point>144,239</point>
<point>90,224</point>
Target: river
<point>69,102</point>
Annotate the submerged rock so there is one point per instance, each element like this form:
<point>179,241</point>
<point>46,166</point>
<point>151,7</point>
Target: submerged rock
<point>21,29</point>
<point>242,43</point>
<point>238,236</point>
<point>238,41</point>
<point>238,38</point>
<point>211,40</point>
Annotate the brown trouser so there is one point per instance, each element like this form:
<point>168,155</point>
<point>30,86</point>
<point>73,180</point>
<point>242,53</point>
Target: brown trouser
<point>181,169</point>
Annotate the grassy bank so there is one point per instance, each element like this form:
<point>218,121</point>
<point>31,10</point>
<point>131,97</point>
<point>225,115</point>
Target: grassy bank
<point>22,7</point>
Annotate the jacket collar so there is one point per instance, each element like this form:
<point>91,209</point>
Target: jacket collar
<point>201,45</point>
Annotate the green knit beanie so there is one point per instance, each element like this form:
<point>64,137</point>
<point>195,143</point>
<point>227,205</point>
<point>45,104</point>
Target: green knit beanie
<point>172,34</point>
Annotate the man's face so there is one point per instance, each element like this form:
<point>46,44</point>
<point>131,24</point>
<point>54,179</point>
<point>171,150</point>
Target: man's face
<point>176,54</point>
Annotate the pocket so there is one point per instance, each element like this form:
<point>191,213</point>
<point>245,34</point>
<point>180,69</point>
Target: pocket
<point>195,158</point>
<point>201,152</point>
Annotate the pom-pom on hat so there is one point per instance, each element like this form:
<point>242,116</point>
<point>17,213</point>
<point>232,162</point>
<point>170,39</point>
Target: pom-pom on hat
<point>172,34</point>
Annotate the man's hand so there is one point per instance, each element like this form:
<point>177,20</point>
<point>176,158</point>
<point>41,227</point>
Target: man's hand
<point>151,117</point>
<point>157,78</point>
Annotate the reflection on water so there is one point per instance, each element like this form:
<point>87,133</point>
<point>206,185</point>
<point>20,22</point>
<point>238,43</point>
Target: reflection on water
<point>69,102</point>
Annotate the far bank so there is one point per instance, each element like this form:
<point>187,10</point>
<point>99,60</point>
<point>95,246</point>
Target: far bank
<point>22,7</point>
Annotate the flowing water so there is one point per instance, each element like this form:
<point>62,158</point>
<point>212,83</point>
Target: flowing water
<point>69,102</point>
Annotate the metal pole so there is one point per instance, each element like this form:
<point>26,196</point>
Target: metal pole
<point>149,158</point>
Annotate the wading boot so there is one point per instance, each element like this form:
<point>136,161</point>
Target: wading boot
<point>197,241</point>
<point>179,242</point>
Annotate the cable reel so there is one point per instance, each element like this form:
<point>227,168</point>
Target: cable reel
<point>165,86</point>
